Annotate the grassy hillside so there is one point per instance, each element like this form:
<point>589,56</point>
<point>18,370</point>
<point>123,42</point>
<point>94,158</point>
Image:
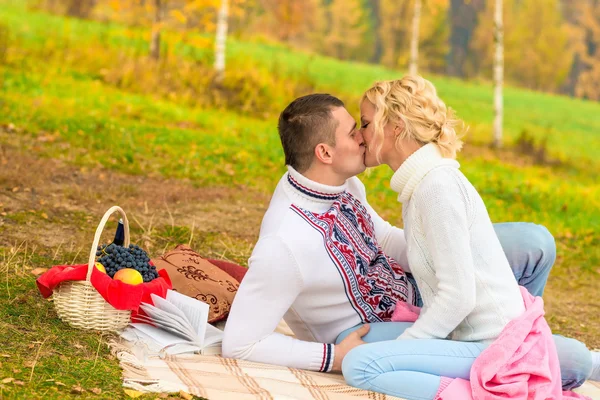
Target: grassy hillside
<point>54,84</point>
<point>570,126</point>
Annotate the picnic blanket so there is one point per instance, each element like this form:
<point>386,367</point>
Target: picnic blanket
<point>215,377</point>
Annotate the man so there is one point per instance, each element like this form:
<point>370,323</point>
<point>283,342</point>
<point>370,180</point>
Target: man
<point>328,264</point>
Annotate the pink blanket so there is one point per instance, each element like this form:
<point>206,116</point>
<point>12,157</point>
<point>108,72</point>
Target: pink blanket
<point>520,364</point>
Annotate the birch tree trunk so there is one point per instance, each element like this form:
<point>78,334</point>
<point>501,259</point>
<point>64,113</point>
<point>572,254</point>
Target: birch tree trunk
<point>155,40</point>
<point>414,41</point>
<point>221,39</point>
<point>498,74</point>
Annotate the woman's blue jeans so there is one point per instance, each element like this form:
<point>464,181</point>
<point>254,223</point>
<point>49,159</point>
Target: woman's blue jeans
<point>412,368</point>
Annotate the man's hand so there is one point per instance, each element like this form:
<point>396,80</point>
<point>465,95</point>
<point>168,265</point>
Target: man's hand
<point>351,341</point>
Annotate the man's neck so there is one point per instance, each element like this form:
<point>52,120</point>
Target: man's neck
<point>324,176</point>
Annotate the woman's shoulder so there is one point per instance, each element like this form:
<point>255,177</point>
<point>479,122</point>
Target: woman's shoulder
<point>444,181</point>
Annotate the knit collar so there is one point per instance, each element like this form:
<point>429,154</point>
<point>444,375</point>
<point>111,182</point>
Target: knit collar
<point>415,167</point>
<point>309,194</point>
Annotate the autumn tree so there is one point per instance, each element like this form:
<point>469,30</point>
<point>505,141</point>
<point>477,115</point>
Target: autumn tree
<point>537,49</point>
<point>414,39</point>
<point>221,38</point>
<point>395,27</point>
<point>433,36</point>
<point>347,28</point>
<point>498,72</point>
<point>480,59</point>
<point>463,17</point>
<point>584,75</point>
<point>283,19</point>
<point>156,28</point>
<point>375,13</point>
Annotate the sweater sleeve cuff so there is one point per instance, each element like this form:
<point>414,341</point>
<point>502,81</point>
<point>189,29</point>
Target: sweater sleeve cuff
<point>407,334</point>
<point>323,358</point>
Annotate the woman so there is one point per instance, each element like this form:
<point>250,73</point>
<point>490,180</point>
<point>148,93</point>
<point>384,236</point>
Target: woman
<point>468,290</point>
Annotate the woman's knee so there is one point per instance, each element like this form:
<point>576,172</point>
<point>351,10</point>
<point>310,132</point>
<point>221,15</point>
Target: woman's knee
<point>358,367</point>
<point>575,361</point>
<point>543,239</point>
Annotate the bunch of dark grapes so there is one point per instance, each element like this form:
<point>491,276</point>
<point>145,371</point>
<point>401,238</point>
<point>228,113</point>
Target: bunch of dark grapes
<point>115,258</point>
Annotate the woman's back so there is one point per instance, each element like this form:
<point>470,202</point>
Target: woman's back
<point>468,288</point>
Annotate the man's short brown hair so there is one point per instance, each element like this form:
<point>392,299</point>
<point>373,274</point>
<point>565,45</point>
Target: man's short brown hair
<point>306,122</point>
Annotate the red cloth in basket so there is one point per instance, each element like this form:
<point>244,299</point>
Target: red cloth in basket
<point>120,295</point>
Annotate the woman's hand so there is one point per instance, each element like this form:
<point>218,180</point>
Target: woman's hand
<point>351,341</point>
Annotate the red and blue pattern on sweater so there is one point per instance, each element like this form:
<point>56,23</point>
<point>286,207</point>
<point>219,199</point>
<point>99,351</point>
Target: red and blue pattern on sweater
<point>373,281</point>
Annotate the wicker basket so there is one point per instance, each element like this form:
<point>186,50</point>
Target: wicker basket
<point>80,305</point>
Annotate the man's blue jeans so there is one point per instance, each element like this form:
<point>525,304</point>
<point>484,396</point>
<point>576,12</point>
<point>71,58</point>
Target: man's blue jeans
<point>412,368</point>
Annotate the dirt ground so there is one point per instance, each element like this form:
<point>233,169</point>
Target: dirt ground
<point>49,204</point>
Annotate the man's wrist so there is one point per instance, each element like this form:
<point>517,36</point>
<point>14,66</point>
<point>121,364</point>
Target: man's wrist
<point>336,366</point>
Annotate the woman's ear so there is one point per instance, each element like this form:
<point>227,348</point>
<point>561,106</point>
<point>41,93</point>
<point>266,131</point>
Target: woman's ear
<point>324,153</point>
<point>398,128</point>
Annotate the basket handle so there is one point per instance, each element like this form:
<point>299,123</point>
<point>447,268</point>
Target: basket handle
<point>99,229</point>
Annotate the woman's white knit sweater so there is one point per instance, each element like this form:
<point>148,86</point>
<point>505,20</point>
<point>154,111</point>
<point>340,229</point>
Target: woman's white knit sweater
<point>468,289</point>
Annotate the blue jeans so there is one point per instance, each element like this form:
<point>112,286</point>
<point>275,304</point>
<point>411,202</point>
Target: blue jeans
<point>412,368</point>
<point>530,250</point>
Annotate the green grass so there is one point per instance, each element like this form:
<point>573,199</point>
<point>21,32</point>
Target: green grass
<point>95,123</point>
<point>569,125</point>
<point>44,356</point>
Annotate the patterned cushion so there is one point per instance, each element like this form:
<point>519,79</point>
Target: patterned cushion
<point>196,277</point>
<point>236,271</point>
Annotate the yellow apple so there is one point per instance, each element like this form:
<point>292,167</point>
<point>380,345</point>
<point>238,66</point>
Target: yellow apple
<point>101,267</point>
<point>129,275</point>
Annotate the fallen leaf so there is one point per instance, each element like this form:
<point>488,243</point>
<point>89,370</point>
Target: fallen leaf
<point>78,346</point>
<point>96,390</point>
<point>15,189</point>
<point>16,370</point>
<point>132,393</point>
<point>38,271</point>
<point>77,389</point>
<point>29,364</point>
<point>19,383</point>
<point>44,215</point>
<point>7,380</point>
<point>185,395</point>
<point>57,383</point>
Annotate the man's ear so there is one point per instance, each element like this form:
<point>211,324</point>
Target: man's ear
<point>324,153</point>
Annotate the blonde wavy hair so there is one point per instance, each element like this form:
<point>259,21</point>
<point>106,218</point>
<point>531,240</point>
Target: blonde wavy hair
<point>414,101</point>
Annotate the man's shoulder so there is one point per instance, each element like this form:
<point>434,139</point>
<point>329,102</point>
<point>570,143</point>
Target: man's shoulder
<point>281,218</point>
<point>357,188</point>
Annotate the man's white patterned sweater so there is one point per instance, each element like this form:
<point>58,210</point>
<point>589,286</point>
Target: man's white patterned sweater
<point>325,262</point>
